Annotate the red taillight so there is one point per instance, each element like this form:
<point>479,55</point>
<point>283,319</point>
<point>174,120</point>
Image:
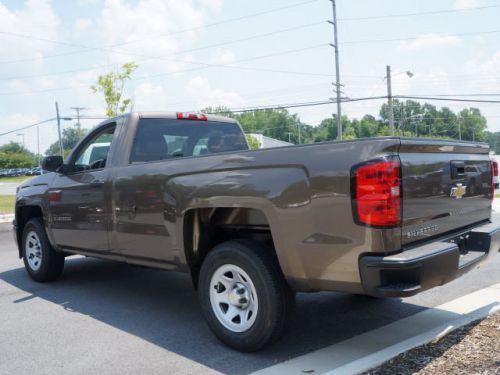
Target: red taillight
<point>377,193</point>
<point>55,195</point>
<point>191,116</point>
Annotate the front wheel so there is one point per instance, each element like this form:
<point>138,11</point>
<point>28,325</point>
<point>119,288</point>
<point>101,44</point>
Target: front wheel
<point>40,260</point>
<point>243,294</point>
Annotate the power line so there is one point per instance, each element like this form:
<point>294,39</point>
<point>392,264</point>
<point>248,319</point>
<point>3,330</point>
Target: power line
<point>257,36</point>
<point>27,126</point>
<point>234,110</point>
<point>86,48</point>
<point>463,95</point>
<point>285,106</point>
<point>203,64</point>
<point>106,49</point>
<point>303,104</point>
<point>448,99</point>
<point>230,20</point>
<point>428,13</point>
<point>418,37</point>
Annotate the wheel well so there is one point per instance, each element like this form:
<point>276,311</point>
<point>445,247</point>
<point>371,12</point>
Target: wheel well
<point>23,215</point>
<point>204,228</point>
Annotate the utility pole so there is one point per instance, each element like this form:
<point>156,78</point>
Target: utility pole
<point>59,130</point>
<point>298,126</point>
<point>78,109</point>
<point>389,100</point>
<point>38,143</point>
<point>335,45</point>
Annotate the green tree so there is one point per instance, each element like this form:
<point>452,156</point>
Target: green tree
<point>70,138</point>
<point>326,130</point>
<point>411,119</point>
<point>493,139</point>
<point>473,124</point>
<point>13,155</point>
<point>13,148</point>
<point>112,85</point>
<point>368,127</point>
<point>275,123</point>
<point>252,142</point>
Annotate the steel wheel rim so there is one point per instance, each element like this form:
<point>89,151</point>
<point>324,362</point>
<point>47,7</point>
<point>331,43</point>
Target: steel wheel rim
<point>233,298</point>
<point>33,250</point>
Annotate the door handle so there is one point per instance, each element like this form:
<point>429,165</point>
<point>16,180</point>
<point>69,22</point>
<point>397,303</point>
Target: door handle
<point>97,183</point>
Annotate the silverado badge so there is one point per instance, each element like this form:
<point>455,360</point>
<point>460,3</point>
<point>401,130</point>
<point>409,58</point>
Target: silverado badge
<point>458,191</point>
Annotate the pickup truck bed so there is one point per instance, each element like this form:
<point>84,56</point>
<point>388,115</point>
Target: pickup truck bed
<point>385,217</point>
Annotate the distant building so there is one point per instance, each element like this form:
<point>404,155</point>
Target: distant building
<point>267,142</point>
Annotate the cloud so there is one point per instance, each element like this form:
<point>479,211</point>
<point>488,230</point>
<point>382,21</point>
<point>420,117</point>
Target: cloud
<point>204,95</point>
<point>222,57</point>
<point>429,41</point>
<point>16,120</point>
<point>214,5</point>
<point>482,74</point>
<point>465,4</point>
<point>149,97</point>
<point>82,24</point>
<point>153,28</point>
<point>36,18</point>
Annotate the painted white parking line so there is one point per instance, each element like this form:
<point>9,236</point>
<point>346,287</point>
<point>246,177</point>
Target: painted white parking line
<point>372,348</point>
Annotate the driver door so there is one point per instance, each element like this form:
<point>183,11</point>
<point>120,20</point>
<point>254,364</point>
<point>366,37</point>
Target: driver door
<point>80,199</point>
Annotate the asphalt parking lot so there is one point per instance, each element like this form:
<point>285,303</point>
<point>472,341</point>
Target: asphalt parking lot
<point>106,317</point>
<point>8,188</point>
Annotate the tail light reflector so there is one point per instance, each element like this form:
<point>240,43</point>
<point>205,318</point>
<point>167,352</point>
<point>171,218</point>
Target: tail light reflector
<point>376,193</point>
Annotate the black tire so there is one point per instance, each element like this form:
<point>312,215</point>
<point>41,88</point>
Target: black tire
<point>275,298</point>
<point>51,263</point>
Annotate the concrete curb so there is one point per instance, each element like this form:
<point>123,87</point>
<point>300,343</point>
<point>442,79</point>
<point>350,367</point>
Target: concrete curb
<point>6,218</point>
<point>375,347</point>
<point>378,358</point>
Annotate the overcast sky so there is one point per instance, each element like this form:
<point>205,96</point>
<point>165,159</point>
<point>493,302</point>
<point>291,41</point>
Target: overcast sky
<point>240,54</point>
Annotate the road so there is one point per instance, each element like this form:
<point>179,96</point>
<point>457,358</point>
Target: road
<point>106,317</point>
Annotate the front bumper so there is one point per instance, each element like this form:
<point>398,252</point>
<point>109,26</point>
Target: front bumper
<point>433,264</point>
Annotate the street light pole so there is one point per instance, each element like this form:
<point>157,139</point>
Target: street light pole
<point>389,101</point>
<point>390,98</point>
<point>38,143</point>
<point>335,45</point>
<point>59,130</point>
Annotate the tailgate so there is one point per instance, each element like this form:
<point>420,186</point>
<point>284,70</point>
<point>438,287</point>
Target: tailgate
<point>446,186</point>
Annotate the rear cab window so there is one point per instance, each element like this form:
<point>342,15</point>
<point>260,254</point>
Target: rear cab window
<point>161,139</point>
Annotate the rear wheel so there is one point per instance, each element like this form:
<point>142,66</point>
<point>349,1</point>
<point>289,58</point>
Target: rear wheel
<point>243,294</point>
<point>40,260</point>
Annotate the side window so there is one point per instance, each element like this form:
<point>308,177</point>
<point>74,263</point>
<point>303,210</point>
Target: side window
<point>159,139</point>
<point>94,154</point>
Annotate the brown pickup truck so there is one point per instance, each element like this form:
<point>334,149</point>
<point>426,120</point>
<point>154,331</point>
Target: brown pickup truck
<point>386,217</point>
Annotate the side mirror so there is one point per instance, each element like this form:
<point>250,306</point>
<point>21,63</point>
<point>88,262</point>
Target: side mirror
<point>52,163</point>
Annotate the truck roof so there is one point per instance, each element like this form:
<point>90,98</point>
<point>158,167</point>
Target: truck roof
<point>173,115</point>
